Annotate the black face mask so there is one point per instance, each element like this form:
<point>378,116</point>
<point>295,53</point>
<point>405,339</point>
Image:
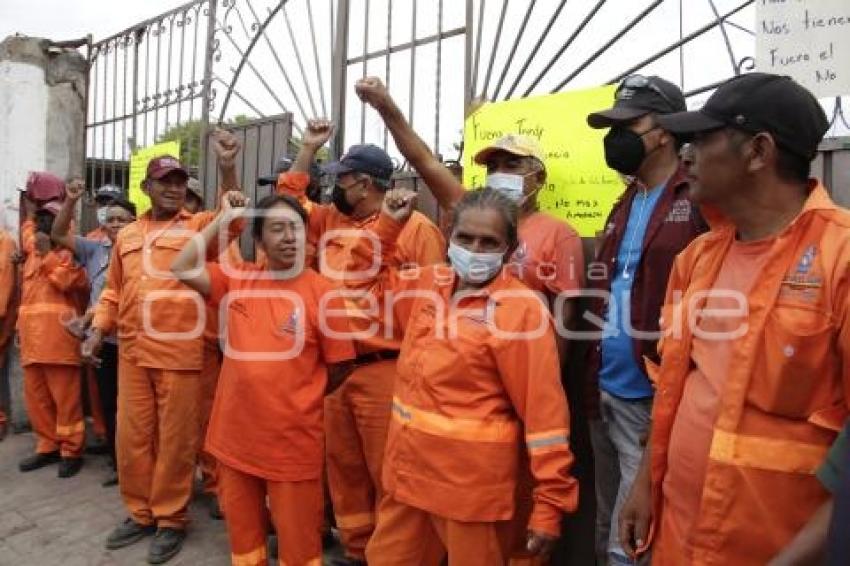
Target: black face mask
<point>43,222</point>
<point>624,150</point>
<point>340,202</point>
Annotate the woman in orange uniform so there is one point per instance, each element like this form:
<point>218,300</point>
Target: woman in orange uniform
<point>478,369</point>
<point>280,359</point>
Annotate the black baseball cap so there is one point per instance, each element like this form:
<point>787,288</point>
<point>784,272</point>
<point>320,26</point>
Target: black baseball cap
<point>759,102</point>
<point>283,165</point>
<point>637,96</point>
<point>107,194</point>
<point>367,158</point>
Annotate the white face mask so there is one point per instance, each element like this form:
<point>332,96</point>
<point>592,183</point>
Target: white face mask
<point>101,215</point>
<point>509,184</point>
<point>475,267</point>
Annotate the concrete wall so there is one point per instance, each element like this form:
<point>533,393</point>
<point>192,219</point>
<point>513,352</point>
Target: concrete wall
<point>42,125</point>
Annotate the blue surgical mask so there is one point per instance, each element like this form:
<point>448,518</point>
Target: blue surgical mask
<point>475,267</point>
<point>508,184</point>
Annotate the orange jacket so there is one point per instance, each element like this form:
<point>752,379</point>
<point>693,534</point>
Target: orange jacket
<point>331,237</point>
<point>52,285</point>
<point>785,397</point>
<point>160,320</point>
<point>8,282</point>
<point>467,391</point>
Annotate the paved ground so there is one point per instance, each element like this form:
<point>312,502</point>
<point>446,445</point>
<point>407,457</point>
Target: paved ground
<point>48,521</point>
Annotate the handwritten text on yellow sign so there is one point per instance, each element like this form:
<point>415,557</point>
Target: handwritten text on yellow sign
<point>580,188</point>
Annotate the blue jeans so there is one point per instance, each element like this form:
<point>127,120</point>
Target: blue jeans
<point>617,451</point>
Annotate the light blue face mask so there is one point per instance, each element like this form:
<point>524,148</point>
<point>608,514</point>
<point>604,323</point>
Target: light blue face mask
<point>101,215</point>
<point>509,184</point>
<point>474,267</point>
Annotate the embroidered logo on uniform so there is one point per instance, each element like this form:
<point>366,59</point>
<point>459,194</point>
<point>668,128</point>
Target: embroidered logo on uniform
<point>483,316</point>
<point>680,211</point>
<point>807,260</point>
<point>291,325</point>
<point>801,284</point>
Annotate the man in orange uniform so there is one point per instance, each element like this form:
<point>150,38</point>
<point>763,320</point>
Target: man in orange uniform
<point>52,287</point>
<point>212,356</point>
<point>8,280</point>
<point>754,380</point>
<point>477,374</point>
<point>161,368</point>
<point>357,414</point>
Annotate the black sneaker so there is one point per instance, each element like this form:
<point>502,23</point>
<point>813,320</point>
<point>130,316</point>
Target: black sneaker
<point>165,545</point>
<point>97,448</point>
<point>39,460</point>
<point>70,467</point>
<point>127,533</point>
<point>346,561</point>
<point>111,479</point>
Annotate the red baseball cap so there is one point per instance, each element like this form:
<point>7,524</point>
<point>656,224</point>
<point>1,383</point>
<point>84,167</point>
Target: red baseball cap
<point>43,186</point>
<point>161,166</point>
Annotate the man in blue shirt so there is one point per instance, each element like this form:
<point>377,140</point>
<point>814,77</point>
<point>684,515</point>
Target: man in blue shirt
<point>648,226</point>
<point>93,254</point>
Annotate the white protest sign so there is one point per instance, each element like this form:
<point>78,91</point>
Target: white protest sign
<point>808,40</point>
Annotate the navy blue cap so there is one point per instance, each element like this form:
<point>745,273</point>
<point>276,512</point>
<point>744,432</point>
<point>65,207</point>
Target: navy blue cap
<point>367,158</point>
<point>284,164</point>
<point>108,193</point>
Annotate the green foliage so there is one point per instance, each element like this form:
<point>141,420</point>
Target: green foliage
<point>189,136</point>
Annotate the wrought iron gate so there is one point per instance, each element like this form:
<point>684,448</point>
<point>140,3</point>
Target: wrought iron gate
<point>228,61</point>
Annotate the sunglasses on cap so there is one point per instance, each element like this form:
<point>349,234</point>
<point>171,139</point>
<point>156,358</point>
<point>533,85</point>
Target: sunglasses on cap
<point>639,82</point>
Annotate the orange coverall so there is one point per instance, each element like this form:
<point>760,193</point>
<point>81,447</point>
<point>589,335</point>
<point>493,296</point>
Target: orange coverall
<point>358,413</point>
<point>478,376</point>
<point>50,357</point>
<point>8,281</point>
<point>161,325</point>
<point>266,430</point>
<point>785,396</point>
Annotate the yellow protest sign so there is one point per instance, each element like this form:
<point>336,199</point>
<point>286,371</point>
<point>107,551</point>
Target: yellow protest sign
<point>580,188</point>
<point>138,169</point>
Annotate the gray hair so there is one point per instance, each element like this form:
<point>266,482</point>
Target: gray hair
<point>489,198</point>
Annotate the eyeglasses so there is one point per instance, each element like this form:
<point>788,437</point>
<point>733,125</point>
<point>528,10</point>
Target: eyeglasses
<point>640,82</point>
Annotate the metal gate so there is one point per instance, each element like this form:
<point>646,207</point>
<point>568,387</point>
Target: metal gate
<point>230,61</point>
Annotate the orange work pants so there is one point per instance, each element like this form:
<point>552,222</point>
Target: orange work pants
<point>296,511</point>
<point>406,535</point>
<point>522,515</point>
<point>54,406</point>
<point>357,418</point>
<point>3,349</point>
<point>157,441</point>
<point>95,406</point>
<point>209,382</point>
